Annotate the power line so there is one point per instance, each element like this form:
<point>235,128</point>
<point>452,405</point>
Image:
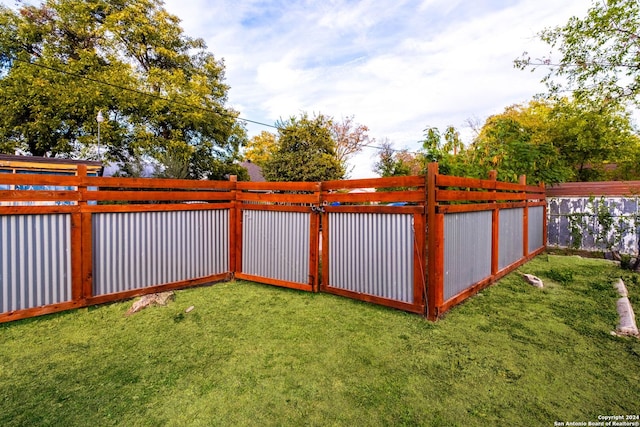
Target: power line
<point>184,104</point>
<point>139,92</point>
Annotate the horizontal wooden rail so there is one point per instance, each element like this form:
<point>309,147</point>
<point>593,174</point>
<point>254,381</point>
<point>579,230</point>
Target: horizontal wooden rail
<point>148,183</point>
<point>156,195</point>
<point>39,195</point>
<point>400,181</point>
<point>278,186</point>
<point>474,183</point>
<point>459,195</point>
<point>379,196</point>
<point>587,189</point>
<point>278,198</point>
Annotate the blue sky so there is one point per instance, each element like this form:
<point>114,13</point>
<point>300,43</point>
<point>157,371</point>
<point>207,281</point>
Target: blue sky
<point>396,66</point>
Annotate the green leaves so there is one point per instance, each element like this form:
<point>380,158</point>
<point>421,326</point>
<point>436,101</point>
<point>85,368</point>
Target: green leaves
<point>161,92</point>
<point>547,140</point>
<point>305,151</point>
<point>599,55</point>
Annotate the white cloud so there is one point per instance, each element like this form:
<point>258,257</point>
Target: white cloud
<point>397,66</point>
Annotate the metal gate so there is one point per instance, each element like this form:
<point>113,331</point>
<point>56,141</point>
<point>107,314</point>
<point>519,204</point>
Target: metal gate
<point>375,252</point>
<point>278,234</point>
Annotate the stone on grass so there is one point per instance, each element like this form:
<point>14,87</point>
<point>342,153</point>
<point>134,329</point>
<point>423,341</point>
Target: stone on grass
<point>189,309</point>
<point>533,280</point>
<point>627,325</point>
<point>161,298</point>
<point>621,288</point>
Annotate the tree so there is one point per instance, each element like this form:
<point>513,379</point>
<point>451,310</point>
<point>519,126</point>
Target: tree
<point>599,54</point>
<point>260,148</point>
<point>305,151</point>
<point>161,92</point>
<point>553,141</point>
<point>349,137</point>
<point>447,150</point>
<point>389,162</point>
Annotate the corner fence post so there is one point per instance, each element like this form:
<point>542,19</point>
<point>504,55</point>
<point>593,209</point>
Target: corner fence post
<point>86,238</point>
<point>233,226</point>
<point>435,247</point>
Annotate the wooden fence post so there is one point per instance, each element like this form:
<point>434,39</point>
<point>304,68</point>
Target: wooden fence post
<point>495,230</point>
<point>525,222</point>
<point>314,241</point>
<point>435,247</point>
<point>233,227</point>
<point>86,238</point>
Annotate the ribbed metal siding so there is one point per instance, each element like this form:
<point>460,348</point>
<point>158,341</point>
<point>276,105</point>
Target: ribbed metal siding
<point>467,250</point>
<point>536,228</point>
<point>372,254</point>
<point>143,249</point>
<point>511,236</point>
<point>35,261</point>
<point>275,245</point>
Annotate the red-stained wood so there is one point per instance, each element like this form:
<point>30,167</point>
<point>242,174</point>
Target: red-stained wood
<point>156,207</point>
<point>234,211</point>
<point>475,183</point>
<point>237,226</point>
<point>525,231</point>
<point>76,256</point>
<point>87,255</point>
<point>39,195</point>
<point>586,189</point>
<point>399,305</point>
<point>10,316</point>
<point>314,248</point>
<point>379,209</point>
<point>279,198</point>
<point>278,186</point>
<point>476,207</point>
<point>277,208</point>
<point>38,210</point>
<point>400,181</point>
<point>157,195</point>
<point>495,240</point>
<point>101,299</point>
<point>379,196</point>
<point>325,279</point>
<point>439,261</point>
<point>39,179</point>
<point>460,195</point>
<point>86,240</point>
<point>419,260</point>
<point>156,183</point>
<point>434,281</point>
<point>275,282</point>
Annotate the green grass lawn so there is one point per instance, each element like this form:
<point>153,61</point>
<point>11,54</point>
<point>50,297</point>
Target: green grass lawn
<point>252,354</point>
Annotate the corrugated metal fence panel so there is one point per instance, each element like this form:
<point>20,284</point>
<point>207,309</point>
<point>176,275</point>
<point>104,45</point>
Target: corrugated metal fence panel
<point>536,228</point>
<point>35,261</point>
<point>275,245</point>
<point>511,236</point>
<point>142,249</point>
<point>467,250</point>
<point>372,254</point>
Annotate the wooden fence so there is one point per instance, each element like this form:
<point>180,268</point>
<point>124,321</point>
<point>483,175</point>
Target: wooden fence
<point>398,246</point>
